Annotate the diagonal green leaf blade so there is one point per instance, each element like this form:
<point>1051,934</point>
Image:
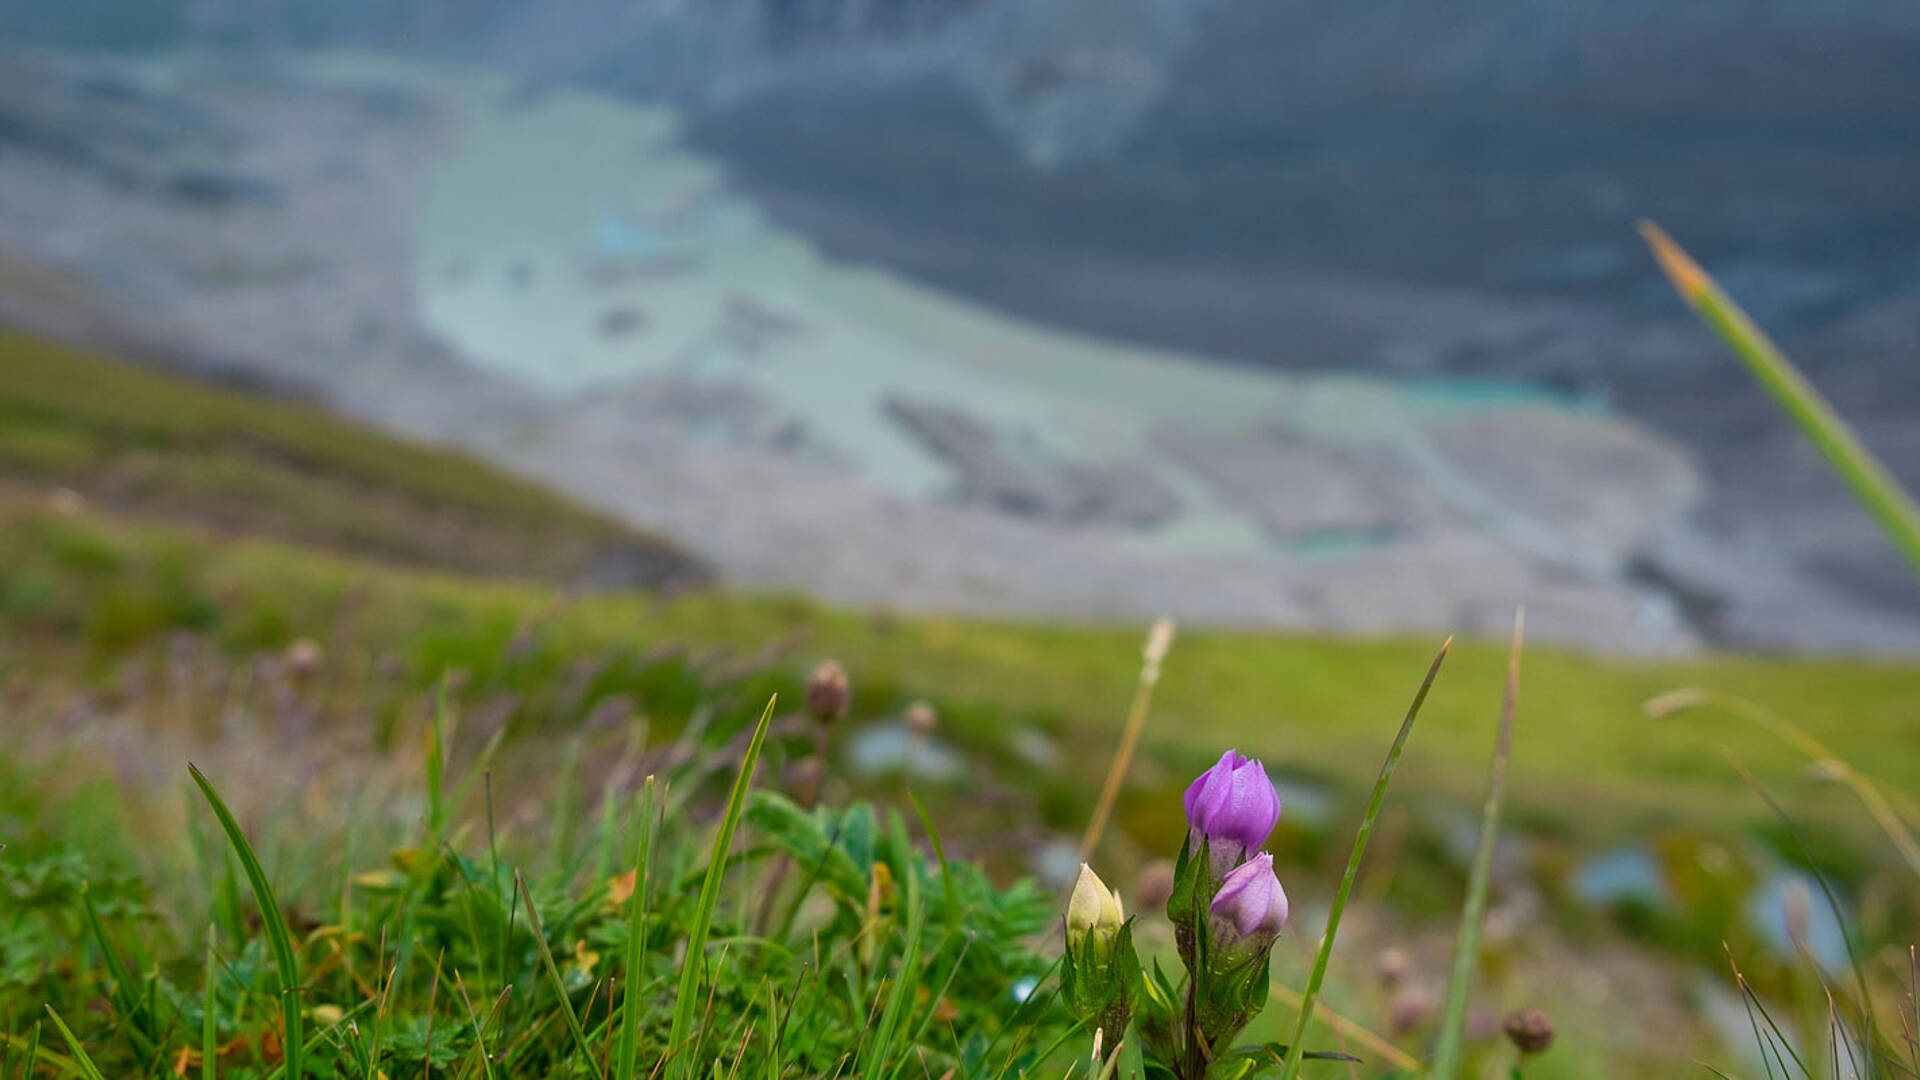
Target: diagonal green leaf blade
<point>1872,485</point>
<point>278,936</point>
<point>1466,945</point>
<point>1319,972</point>
<point>688,1000</point>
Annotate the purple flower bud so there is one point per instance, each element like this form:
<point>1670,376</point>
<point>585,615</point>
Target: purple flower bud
<point>1250,903</point>
<point>1233,805</point>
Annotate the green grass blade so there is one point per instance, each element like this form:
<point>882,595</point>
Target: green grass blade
<point>80,1057</point>
<point>933,1006</point>
<point>905,983</point>
<point>633,1005</point>
<point>1849,933</point>
<point>688,1000</point>
<point>1871,484</point>
<point>609,833</point>
<point>275,921</point>
<point>1132,1067</point>
<point>321,1035</point>
<point>940,853</point>
<point>1753,1001</point>
<point>436,756</point>
<point>227,902</point>
<point>125,998</point>
<point>553,969</point>
<point>479,1029</point>
<point>566,810</point>
<point>1073,1030</point>
<point>209,1035</point>
<point>1319,973</point>
<point>1466,945</point>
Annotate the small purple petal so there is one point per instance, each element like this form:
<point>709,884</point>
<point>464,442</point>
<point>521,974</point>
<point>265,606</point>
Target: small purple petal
<point>1223,767</point>
<point>1251,900</point>
<point>1233,803</point>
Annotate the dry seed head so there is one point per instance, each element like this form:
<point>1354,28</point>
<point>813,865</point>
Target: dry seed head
<point>1159,642</point>
<point>1391,968</point>
<point>805,774</point>
<point>828,692</point>
<point>1411,1009</point>
<point>1530,1030</point>
<point>302,658</point>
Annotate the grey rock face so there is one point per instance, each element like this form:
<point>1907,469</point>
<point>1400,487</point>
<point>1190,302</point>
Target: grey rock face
<point>990,474</point>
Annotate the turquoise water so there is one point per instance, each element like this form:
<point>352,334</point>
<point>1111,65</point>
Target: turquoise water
<point>573,243</point>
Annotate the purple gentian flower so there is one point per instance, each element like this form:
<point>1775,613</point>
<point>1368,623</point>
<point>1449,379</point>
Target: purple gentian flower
<point>1250,906</point>
<point>1234,806</point>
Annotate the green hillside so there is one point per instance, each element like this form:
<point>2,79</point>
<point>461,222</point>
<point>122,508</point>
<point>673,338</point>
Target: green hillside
<point>139,441</point>
<point>256,521</point>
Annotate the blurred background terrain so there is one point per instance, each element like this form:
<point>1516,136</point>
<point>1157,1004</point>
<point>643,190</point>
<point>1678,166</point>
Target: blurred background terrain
<point>1278,314</point>
<point>601,364</point>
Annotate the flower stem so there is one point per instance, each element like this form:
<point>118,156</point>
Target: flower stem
<point>1314,980</point>
<point>1466,946</point>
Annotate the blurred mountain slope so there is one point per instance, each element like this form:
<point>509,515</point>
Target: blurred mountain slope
<point>159,445</point>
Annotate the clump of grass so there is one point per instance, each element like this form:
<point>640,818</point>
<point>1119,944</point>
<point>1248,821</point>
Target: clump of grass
<point>657,973</point>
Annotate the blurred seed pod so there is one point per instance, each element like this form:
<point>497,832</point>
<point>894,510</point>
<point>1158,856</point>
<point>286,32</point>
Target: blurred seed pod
<point>1530,1030</point>
<point>829,693</point>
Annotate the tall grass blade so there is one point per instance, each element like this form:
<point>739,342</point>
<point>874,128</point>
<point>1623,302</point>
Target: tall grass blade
<point>436,759</point>
<point>125,996</point>
<point>1131,1066</point>
<point>1318,975</point>
<point>209,1029</point>
<point>1830,764</point>
<point>933,1009</point>
<point>633,1006</point>
<point>1159,641</point>
<point>553,969</point>
<point>1848,932</point>
<point>1346,1027</point>
<point>275,921</point>
<point>1913,999</point>
<point>566,810</point>
<point>1872,485</point>
<point>1466,946</point>
<point>80,1058</point>
<point>687,1002</point>
<point>479,1029</point>
<point>905,983</point>
<point>1754,1002</point>
<point>940,853</point>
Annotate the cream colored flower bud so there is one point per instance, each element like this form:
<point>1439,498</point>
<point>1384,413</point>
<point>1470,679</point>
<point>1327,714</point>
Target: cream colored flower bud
<point>1093,906</point>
